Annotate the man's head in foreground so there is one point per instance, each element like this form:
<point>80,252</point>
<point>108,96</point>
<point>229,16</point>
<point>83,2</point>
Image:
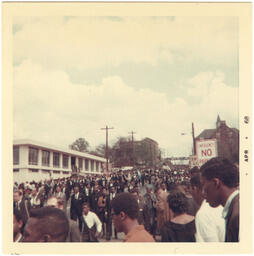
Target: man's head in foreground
<point>196,188</point>
<point>47,224</point>
<point>124,211</point>
<point>220,178</point>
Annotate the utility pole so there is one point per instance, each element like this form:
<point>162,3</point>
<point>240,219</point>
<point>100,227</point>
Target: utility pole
<point>193,137</point>
<point>106,151</point>
<point>132,142</point>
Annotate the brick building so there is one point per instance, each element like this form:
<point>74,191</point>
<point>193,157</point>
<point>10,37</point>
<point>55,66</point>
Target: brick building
<point>147,152</point>
<point>227,139</point>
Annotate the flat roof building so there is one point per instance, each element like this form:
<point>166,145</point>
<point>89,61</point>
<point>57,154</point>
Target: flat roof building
<point>38,161</point>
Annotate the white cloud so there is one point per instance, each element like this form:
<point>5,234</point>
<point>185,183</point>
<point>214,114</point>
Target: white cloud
<point>49,108</point>
<point>86,42</point>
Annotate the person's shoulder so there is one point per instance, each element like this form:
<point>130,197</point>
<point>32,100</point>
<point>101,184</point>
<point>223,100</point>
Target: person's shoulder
<point>140,236</point>
<point>72,223</point>
<point>234,218</point>
<point>92,214</point>
<point>147,236</point>
<point>235,203</point>
<point>209,212</point>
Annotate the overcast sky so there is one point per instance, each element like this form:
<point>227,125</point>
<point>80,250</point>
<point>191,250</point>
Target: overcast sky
<point>151,75</point>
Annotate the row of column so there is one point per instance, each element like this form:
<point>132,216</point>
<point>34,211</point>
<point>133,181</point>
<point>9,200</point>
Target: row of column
<point>24,161</point>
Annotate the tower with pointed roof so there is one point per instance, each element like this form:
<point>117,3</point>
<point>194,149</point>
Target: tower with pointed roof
<point>218,122</point>
<point>227,139</point>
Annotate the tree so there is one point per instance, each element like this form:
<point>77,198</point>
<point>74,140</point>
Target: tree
<point>101,149</point>
<point>80,145</point>
<point>122,152</point>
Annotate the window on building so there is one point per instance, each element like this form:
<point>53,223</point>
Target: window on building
<point>15,170</point>
<point>45,171</point>
<point>65,161</point>
<point>97,166</point>
<point>65,172</point>
<point>56,159</point>
<point>33,170</point>
<point>16,155</point>
<point>92,165</point>
<point>86,164</point>
<point>45,160</point>
<point>56,172</point>
<point>80,163</point>
<point>33,156</point>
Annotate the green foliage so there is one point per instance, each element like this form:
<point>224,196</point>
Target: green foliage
<point>80,145</point>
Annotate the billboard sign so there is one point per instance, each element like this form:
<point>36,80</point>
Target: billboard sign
<point>206,149</point>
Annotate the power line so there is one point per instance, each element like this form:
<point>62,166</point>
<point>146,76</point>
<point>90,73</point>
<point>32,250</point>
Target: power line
<point>106,151</point>
<point>132,142</point>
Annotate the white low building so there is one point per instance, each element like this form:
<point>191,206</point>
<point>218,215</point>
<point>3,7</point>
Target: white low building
<point>37,161</point>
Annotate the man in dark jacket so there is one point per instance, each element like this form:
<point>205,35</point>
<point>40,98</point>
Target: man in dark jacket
<point>22,204</point>
<point>77,200</point>
<point>220,180</point>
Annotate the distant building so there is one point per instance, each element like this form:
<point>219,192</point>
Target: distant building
<point>147,152</point>
<point>38,161</point>
<point>227,140</point>
<point>177,163</point>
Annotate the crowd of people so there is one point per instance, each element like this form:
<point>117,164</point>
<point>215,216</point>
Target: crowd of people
<point>197,205</point>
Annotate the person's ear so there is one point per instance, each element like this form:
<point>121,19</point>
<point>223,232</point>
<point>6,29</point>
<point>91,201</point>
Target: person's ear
<point>122,215</point>
<point>216,182</point>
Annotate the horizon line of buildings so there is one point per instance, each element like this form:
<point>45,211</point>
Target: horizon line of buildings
<point>33,160</point>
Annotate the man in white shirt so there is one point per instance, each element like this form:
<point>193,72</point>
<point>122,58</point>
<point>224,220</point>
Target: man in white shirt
<point>91,225</point>
<point>210,226</point>
<point>220,180</point>
<point>35,200</point>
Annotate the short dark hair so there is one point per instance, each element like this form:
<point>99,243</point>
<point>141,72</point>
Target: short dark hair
<point>53,222</point>
<point>194,170</point>
<point>85,204</point>
<point>196,181</point>
<point>127,203</point>
<point>19,192</point>
<point>177,202</point>
<point>223,169</point>
<point>134,190</point>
